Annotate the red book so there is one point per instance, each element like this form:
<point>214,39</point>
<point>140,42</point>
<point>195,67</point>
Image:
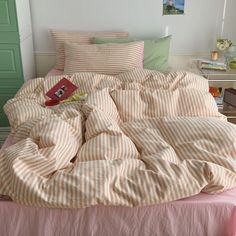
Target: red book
<point>62,90</point>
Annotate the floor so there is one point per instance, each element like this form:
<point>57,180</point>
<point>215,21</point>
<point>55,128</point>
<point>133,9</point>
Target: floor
<point>4,132</point>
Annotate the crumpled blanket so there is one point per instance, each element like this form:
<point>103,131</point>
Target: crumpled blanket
<point>140,138</point>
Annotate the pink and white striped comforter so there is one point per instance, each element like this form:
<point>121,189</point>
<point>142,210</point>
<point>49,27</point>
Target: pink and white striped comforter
<point>141,138</point>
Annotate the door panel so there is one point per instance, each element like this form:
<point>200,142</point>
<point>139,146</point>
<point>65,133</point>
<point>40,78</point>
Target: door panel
<point>10,66</point>
<point>4,99</point>
<point>8,20</point>
<point>9,37</point>
<point>3,120</point>
<point>5,94</point>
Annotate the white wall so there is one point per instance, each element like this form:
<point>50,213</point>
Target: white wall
<point>193,33</point>
<point>230,19</point>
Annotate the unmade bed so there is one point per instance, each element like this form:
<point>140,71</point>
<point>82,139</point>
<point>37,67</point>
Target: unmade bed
<point>126,206</point>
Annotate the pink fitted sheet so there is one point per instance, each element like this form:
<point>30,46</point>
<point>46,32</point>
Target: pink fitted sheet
<point>197,216</point>
<point>54,71</point>
<point>202,214</point>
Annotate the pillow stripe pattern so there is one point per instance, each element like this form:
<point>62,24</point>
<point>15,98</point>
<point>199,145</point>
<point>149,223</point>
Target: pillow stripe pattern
<point>60,37</point>
<point>110,59</point>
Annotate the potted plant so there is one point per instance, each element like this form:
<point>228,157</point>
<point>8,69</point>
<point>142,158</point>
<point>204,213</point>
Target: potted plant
<point>228,50</point>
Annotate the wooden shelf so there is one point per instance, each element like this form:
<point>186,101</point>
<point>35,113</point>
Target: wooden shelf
<point>230,112</point>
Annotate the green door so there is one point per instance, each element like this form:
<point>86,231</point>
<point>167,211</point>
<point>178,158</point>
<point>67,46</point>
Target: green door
<point>11,77</point>
<point>8,19</point>
<point>11,74</point>
<point>5,94</point>
<point>10,63</point>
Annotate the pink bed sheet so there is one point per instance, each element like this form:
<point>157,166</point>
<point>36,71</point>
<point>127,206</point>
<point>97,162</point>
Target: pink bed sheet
<point>203,214</point>
<point>54,71</point>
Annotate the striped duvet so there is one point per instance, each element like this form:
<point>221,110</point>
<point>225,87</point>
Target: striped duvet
<point>141,138</point>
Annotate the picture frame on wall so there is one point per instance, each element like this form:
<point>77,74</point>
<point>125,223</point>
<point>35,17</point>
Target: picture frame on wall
<point>173,7</point>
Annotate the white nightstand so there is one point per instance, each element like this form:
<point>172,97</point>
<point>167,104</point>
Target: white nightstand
<point>225,79</point>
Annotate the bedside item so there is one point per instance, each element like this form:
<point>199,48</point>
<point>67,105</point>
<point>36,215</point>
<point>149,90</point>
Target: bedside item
<point>219,79</point>
<point>232,65</point>
<point>230,56</point>
<point>229,111</point>
<point>219,65</point>
<point>223,44</point>
<point>215,91</point>
<point>228,51</point>
<point>230,96</point>
<point>218,94</point>
<point>214,55</point>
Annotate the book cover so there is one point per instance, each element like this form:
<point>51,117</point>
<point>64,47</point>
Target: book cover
<point>62,90</point>
<point>220,62</point>
<point>212,68</point>
<point>213,63</point>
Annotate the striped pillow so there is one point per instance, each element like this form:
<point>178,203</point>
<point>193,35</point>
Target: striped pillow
<point>110,59</point>
<point>60,37</point>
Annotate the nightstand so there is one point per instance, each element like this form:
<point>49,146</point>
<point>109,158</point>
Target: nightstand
<point>229,112</point>
<point>226,79</point>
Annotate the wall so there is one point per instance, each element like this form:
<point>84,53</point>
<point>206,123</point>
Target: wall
<point>193,33</point>
<point>230,19</point>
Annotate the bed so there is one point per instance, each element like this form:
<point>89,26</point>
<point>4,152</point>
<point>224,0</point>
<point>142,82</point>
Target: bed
<point>139,157</point>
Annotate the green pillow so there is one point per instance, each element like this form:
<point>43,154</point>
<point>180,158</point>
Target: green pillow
<point>156,51</point>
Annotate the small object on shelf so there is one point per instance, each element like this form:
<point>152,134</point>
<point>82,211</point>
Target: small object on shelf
<point>215,91</point>
<point>223,44</point>
<point>218,94</point>
<point>214,55</point>
<point>204,67</point>
<point>232,65</point>
<point>230,96</point>
<point>220,62</point>
<point>206,64</point>
<point>230,55</point>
